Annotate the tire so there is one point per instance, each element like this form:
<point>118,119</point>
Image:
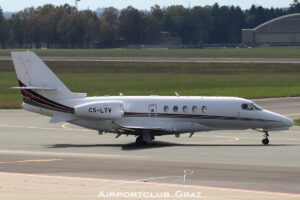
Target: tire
<point>139,140</point>
<point>265,141</point>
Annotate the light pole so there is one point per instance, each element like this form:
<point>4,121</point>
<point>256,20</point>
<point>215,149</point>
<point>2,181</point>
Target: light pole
<point>76,4</point>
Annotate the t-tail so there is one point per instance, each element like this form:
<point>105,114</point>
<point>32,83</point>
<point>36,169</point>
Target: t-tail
<point>39,86</point>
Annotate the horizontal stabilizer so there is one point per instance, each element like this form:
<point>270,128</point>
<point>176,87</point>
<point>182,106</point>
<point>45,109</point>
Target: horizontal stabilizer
<point>61,118</point>
<point>33,88</point>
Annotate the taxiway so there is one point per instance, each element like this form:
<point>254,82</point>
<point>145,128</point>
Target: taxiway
<point>221,165</point>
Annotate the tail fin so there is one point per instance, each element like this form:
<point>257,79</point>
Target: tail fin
<point>34,74</point>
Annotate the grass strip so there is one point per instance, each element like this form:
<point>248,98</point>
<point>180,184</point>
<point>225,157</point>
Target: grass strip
<point>265,52</point>
<point>98,84</point>
<point>297,122</point>
<point>173,68</point>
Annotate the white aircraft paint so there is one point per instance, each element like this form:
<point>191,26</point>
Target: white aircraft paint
<point>143,116</point>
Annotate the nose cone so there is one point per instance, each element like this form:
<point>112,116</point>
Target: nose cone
<point>280,121</point>
<point>288,122</point>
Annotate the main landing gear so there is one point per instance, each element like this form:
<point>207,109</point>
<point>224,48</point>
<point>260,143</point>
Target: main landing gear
<point>139,140</point>
<point>144,139</point>
<point>266,141</point>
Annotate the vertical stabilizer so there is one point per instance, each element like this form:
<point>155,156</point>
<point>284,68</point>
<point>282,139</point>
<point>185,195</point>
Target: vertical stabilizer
<point>32,72</point>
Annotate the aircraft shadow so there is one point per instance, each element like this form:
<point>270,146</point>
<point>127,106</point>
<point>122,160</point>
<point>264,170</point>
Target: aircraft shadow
<point>159,144</point>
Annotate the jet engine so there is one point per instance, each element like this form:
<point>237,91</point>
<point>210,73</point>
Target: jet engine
<point>105,110</point>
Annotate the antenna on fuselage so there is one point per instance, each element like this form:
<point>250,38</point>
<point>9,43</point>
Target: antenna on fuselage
<point>177,94</point>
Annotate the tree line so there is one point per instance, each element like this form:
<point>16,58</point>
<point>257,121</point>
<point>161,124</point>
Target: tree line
<point>64,27</point>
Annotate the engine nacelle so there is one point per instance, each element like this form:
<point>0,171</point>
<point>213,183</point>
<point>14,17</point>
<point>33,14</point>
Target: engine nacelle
<point>100,110</point>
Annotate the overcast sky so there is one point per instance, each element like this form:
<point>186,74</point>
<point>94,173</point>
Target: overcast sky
<point>16,5</point>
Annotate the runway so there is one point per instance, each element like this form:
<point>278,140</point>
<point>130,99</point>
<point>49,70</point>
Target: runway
<point>221,165</point>
<point>178,60</point>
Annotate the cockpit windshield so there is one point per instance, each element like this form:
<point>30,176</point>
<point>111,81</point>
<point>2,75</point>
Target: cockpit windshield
<point>251,106</point>
<point>257,107</point>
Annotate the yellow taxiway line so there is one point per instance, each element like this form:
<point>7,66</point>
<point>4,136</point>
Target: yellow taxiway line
<point>289,115</point>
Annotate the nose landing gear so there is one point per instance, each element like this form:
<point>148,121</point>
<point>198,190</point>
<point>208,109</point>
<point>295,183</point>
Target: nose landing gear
<point>265,141</point>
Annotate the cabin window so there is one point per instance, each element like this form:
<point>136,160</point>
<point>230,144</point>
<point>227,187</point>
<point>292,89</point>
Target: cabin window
<point>204,109</point>
<point>194,109</point>
<point>175,108</point>
<point>185,109</point>
<point>166,108</point>
<point>246,106</point>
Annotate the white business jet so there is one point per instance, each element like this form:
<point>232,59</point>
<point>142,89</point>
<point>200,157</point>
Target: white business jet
<point>142,116</point>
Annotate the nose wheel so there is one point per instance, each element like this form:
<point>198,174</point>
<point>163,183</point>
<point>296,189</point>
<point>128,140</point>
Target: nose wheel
<point>266,141</point>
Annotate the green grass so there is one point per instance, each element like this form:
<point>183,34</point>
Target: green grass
<point>270,52</point>
<point>242,85</point>
<point>297,122</point>
<point>246,85</point>
<point>192,79</point>
<point>174,68</point>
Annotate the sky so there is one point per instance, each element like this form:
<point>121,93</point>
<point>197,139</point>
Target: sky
<point>17,5</point>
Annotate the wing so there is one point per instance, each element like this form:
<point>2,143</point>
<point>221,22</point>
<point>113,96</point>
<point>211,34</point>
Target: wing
<point>136,130</point>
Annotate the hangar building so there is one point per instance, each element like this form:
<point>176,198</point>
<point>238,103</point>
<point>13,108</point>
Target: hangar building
<point>284,30</point>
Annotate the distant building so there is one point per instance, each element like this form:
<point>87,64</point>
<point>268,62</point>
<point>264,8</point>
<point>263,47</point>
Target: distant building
<point>283,30</point>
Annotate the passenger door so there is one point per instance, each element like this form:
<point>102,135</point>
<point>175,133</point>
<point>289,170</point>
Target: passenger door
<point>152,110</point>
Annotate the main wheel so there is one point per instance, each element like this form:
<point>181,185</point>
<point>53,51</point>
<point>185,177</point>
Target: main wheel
<point>265,141</point>
<point>139,140</point>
